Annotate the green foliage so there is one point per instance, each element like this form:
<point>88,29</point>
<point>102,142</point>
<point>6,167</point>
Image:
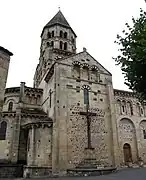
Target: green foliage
<point>132,55</point>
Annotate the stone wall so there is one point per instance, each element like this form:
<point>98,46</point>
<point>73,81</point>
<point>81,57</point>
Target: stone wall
<point>6,145</point>
<point>39,150</point>
<point>11,171</point>
<point>71,127</point>
<point>4,66</point>
<point>131,117</point>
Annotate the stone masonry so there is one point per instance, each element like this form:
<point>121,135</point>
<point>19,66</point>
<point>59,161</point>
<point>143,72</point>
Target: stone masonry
<point>72,117</point>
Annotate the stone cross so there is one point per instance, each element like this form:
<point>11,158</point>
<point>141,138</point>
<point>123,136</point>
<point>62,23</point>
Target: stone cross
<point>88,117</point>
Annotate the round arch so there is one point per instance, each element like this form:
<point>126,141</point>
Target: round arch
<point>126,119</point>
<point>127,153</point>
<point>127,135</point>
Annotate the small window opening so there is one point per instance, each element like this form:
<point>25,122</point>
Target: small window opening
<point>10,107</point>
<point>144,134</point>
<point>65,35</point>
<point>72,39</point>
<point>61,34</point>
<point>65,46</point>
<point>141,111</point>
<point>123,108</point>
<point>49,35</point>
<point>52,43</point>
<point>61,44</point>
<point>3,128</point>
<point>52,33</point>
<point>86,96</point>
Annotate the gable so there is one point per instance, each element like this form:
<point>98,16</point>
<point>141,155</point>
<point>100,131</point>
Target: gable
<point>85,59</point>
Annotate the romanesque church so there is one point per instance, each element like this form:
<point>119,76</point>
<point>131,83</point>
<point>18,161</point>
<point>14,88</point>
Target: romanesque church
<point>72,117</point>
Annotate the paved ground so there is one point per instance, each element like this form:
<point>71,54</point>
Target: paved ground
<point>128,174</point>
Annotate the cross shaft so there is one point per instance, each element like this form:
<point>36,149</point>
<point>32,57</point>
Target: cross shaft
<point>88,115</point>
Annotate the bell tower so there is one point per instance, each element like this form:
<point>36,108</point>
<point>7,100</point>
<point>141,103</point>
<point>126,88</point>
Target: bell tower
<point>58,35</point>
<point>58,40</point>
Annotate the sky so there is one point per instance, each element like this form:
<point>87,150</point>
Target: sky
<point>96,23</point>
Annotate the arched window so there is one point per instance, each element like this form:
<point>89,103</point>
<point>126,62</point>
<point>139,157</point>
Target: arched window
<point>119,106</point>
<point>73,40</point>
<point>65,35</point>
<point>48,44</point>
<point>94,74</point>
<point>49,35</point>
<point>3,129</point>
<point>61,44</point>
<point>86,96</point>
<point>52,43</point>
<point>61,34</point>
<point>10,107</point>
<point>85,72</point>
<point>76,71</point>
<point>65,46</point>
<point>129,108</point>
<point>123,107</point>
<point>52,33</point>
<point>138,108</point>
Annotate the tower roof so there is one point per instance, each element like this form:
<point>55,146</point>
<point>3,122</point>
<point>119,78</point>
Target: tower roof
<point>58,19</point>
<point>6,51</point>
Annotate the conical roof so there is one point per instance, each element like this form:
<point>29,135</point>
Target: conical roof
<point>59,19</point>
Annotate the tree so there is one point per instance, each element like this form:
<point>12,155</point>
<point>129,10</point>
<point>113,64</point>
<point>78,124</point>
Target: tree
<point>132,54</point>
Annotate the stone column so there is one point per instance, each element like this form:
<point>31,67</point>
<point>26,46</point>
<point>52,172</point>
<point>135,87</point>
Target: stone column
<point>32,144</point>
<point>16,134</point>
<point>59,149</point>
<point>138,140</point>
<point>114,129</point>
<point>22,89</point>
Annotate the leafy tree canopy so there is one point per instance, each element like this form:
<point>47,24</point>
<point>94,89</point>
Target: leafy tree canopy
<point>132,54</point>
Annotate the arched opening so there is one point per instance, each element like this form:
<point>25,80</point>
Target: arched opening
<point>76,71</point>
<point>73,40</point>
<point>52,43</point>
<point>86,96</point>
<point>52,33</point>
<point>123,107</point>
<point>118,106</point>
<point>129,108</point>
<point>61,44</point>
<point>61,34</point>
<point>127,153</point>
<point>48,44</point>
<point>49,35</point>
<point>141,111</point>
<point>65,35</point>
<point>3,129</point>
<point>138,108</point>
<point>10,107</point>
<point>93,74</point>
<point>85,72</point>
<point>65,46</point>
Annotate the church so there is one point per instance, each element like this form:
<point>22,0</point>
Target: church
<point>72,118</point>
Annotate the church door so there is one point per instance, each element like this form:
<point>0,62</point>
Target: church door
<point>127,153</point>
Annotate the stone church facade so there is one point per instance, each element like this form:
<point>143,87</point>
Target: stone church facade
<point>71,114</point>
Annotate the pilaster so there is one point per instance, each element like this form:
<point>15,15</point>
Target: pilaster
<point>114,131</point>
